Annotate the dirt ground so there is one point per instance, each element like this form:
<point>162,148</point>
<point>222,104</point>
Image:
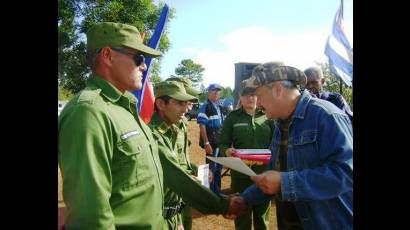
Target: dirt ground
<point>200,221</point>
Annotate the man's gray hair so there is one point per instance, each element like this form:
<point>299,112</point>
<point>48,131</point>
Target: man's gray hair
<point>288,84</point>
<point>91,57</point>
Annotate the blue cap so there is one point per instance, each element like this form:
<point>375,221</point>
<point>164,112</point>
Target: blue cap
<point>214,87</point>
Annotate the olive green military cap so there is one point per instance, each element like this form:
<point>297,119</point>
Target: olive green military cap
<point>314,72</point>
<point>187,84</point>
<point>116,34</point>
<point>269,72</point>
<point>247,91</point>
<point>173,89</point>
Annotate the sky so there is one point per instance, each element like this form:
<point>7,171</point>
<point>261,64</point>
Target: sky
<point>219,33</point>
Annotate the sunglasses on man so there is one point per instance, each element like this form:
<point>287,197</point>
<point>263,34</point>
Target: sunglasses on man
<point>139,59</point>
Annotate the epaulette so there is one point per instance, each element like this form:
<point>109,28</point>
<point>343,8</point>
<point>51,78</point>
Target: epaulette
<point>88,95</point>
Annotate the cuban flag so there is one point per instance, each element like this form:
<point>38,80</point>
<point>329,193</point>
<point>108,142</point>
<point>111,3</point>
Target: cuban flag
<point>339,51</point>
<point>145,95</point>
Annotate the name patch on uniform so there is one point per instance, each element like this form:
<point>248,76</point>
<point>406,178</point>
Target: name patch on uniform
<point>129,134</point>
<point>240,124</point>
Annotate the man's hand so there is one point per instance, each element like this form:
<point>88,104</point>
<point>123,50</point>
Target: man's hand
<point>180,227</point>
<point>208,149</point>
<point>229,152</point>
<point>237,206</point>
<point>268,182</point>
<point>210,176</point>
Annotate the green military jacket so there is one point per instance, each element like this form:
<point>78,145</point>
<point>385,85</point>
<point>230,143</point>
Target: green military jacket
<point>112,175</point>
<point>243,131</point>
<point>178,184</point>
<point>183,144</point>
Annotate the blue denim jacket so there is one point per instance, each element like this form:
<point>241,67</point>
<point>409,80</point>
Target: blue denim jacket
<point>320,166</point>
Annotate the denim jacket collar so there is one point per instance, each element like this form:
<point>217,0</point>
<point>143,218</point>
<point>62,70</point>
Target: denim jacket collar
<point>301,107</point>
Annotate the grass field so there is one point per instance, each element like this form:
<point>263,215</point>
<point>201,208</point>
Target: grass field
<point>200,222</point>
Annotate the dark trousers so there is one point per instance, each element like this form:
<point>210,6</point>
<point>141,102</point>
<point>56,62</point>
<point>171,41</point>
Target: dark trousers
<point>216,169</point>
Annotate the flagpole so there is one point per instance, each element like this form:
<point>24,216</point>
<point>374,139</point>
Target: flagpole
<point>145,95</point>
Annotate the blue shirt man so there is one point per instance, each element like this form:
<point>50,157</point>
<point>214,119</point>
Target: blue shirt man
<point>210,122</point>
<point>313,184</point>
<point>314,84</point>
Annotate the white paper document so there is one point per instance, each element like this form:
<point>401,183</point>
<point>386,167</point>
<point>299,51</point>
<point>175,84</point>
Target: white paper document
<point>233,163</point>
<point>253,151</point>
<point>203,172</point>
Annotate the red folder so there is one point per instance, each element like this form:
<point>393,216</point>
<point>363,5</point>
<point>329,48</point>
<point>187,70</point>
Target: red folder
<point>263,158</point>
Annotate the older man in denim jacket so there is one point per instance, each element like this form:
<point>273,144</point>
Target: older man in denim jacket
<point>311,176</point>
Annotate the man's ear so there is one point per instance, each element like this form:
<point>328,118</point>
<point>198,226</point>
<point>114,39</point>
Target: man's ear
<point>322,81</point>
<point>106,56</point>
<point>160,104</point>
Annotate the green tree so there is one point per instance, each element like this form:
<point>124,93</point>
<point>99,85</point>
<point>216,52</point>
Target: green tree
<point>75,17</point>
<point>226,92</point>
<point>333,84</point>
<point>204,93</point>
<point>64,94</point>
<point>190,69</point>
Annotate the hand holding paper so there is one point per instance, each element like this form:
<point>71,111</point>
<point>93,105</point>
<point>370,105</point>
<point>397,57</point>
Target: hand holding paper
<point>268,182</point>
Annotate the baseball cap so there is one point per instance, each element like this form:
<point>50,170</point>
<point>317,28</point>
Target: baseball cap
<point>214,87</point>
<point>117,34</point>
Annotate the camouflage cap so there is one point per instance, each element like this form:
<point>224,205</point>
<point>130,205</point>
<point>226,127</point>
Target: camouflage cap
<point>269,72</point>
<point>173,89</point>
<point>116,34</point>
<point>314,72</point>
<point>187,84</point>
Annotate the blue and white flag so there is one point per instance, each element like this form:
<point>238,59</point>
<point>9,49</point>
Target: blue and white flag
<point>339,51</point>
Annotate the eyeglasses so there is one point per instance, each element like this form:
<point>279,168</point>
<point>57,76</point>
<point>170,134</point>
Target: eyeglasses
<point>139,59</point>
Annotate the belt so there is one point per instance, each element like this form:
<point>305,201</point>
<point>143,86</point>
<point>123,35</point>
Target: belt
<point>170,211</point>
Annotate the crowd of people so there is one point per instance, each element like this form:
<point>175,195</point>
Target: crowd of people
<point>120,173</point>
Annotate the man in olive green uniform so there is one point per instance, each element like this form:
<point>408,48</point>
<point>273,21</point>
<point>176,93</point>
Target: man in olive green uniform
<point>247,128</point>
<point>179,186</point>
<point>189,167</point>
<point>112,175</point>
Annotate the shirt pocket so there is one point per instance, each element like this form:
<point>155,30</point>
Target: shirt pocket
<point>135,167</point>
<point>241,130</point>
<point>305,150</point>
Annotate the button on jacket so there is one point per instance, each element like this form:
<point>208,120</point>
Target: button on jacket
<point>320,164</point>
<point>112,175</point>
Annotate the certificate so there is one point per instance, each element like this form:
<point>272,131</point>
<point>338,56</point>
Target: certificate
<point>233,163</point>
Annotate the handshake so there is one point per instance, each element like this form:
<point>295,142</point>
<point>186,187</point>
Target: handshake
<point>237,206</point>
